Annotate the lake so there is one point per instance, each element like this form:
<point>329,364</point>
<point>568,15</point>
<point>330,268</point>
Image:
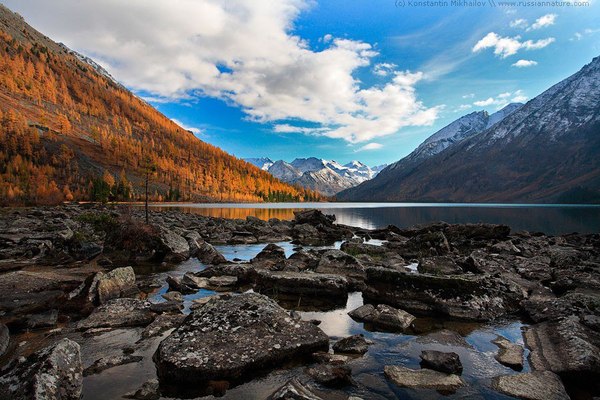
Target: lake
<point>551,219</point>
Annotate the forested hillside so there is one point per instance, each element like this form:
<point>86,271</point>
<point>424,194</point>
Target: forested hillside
<point>69,132</point>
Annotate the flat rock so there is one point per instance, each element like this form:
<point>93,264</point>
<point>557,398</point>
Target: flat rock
<point>423,379</point>
<point>232,337</point>
<point>440,265</point>
<point>333,375</point>
<point>161,324</point>
<point>193,281</point>
<point>509,354</point>
<point>539,385</point>
<point>383,316</point>
<point>355,344</point>
<point>173,296</point>
<point>302,283</point>
<point>448,363</point>
<point>223,281</point>
<point>109,362</point>
<point>119,313</point>
<point>176,284</point>
<point>53,373</point>
<point>445,337</point>
<point>294,390</point>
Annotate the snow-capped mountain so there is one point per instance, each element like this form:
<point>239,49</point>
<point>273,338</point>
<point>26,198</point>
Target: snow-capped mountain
<point>547,150</point>
<point>325,176</point>
<point>262,163</point>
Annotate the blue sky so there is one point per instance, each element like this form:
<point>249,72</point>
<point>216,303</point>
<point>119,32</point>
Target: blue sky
<point>333,79</point>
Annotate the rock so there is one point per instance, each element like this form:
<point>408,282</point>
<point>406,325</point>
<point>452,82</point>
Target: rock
<point>354,249</point>
<point>479,232</point>
<point>53,373</point>
<point>201,302</point>
<point>110,362</point>
<point>173,296</point>
<point>195,282</point>
<point>245,273</point>
<point>4,338</point>
<point>423,379</point>
<point>207,254</point>
<point>448,363</point>
<point>302,283</point>
<point>232,336</point>
<point>333,375</point>
<point>544,308</point>
<point>313,217</point>
<point>355,344</point>
<point>383,316</point>
<point>119,313</point>
<point>120,282</point>
<point>294,390</point>
<point>48,319</point>
<point>340,263</point>
<point>510,354</point>
<point>148,391</point>
<point>440,265</point>
<point>565,347</point>
<point>167,307</point>
<point>223,281</point>
<point>175,247</point>
<point>323,357</point>
<point>271,252</point>
<point>162,323</point>
<point>176,284</point>
<point>539,385</point>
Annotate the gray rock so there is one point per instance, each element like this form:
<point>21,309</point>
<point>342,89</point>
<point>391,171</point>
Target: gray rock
<point>539,385</point>
<point>340,263</point>
<point>120,282</point>
<point>445,337</point>
<point>271,252</point>
<point>510,354</point>
<point>448,363</point>
<point>53,373</point>
<point>119,313</point>
<point>294,390</point>
<point>148,391</point>
<point>563,347</point>
<point>175,247</point>
<point>48,319</point>
<point>302,283</point>
<point>333,375</point>
<point>440,265</point>
<point>173,296</point>
<point>232,336</point>
<point>423,379</point>
<point>161,324</point>
<point>223,281</point>
<point>176,284</point>
<point>355,344</point>
<point>4,338</point>
<point>207,254</point>
<point>110,362</point>
<point>192,281</point>
<point>383,316</point>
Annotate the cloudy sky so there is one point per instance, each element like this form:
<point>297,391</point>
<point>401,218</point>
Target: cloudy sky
<point>343,80</point>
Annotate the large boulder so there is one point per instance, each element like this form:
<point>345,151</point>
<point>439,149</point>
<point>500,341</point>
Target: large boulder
<point>120,282</point>
<point>207,254</point>
<point>355,344</point>
<point>448,363</point>
<point>233,336</point>
<point>541,385</point>
<point>313,217</point>
<point>174,247</point>
<point>53,373</point>
<point>340,263</point>
<point>565,347</point>
<point>119,313</point>
<point>272,253</point>
<point>383,316</point>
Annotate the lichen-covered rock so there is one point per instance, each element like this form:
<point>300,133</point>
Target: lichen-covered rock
<point>423,379</point>
<point>120,282</point>
<point>232,336</point>
<point>540,385</point>
<point>119,313</point>
<point>53,373</point>
<point>383,316</point>
<point>448,363</point>
<point>175,247</point>
<point>509,354</point>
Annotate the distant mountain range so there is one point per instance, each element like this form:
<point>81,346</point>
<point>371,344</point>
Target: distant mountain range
<point>547,150</point>
<point>324,176</point>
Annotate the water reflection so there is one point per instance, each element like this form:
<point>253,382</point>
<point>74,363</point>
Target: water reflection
<point>550,219</point>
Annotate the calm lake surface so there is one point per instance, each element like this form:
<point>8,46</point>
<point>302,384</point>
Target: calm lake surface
<point>548,218</point>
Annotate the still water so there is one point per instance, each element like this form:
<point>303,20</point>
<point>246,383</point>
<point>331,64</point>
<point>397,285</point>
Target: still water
<point>548,218</point>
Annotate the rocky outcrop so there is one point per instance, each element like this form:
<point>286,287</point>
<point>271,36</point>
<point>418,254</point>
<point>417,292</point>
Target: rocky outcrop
<point>234,336</point>
<point>383,316</point>
<point>53,373</point>
<point>543,385</point>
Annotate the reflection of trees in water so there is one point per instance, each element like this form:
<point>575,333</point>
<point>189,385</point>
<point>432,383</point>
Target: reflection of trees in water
<point>550,220</point>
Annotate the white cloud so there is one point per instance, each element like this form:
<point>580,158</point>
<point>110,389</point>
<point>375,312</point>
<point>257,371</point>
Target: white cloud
<point>524,63</point>
<point>519,23</point>
<point>468,96</point>
<point>543,21</point>
<point>194,130</point>
<point>370,146</point>
<point>384,69</point>
<point>502,99</point>
<point>242,52</point>
<point>585,32</point>
<point>507,46</point>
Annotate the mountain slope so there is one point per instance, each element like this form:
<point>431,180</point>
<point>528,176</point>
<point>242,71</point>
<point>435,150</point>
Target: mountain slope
<point>542,152</point>
<point>68,131</point>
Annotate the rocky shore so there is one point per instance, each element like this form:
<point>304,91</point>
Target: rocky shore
<point>71,273</point>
